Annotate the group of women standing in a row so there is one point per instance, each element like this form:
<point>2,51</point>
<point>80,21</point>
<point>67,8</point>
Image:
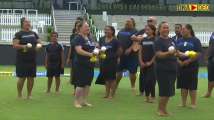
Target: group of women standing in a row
<point>160,58</point>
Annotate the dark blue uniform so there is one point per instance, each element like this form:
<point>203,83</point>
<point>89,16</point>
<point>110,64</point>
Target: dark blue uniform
<point>176,38</point>
<point>72,37</point>
<point>147,78</point>
<point>127,62</point>
<point>83,69</point>
<point>211,59</point>
<point>54,52</point>
<point>26,60</point>
<point>108,66</point>
<point>166,68</point>
<point>188,75</point>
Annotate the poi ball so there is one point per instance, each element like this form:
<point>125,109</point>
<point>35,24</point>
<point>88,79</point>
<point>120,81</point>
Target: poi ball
<point>103,48</point>
<point>96,51</point>
<point>29,45</point>
<point>171,48</point>
<point>144,35</point>
<point>192,54</point>
<point>93,59</point>
<point>38,45</point>
<point>103,56</point>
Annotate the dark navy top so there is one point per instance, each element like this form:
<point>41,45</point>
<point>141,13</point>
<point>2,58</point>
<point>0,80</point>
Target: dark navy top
<point>189,44</point>
<point>25,38</point>
<point>124,37</point>
<point>168,63</point>
<point>211,47</point>
<point>176,38</point>
<point>141,32</point>
<point>112,48</point>
<point>72,37</point>
<point>53,51</point>
<point>148,49</point>
<point>87,45</point>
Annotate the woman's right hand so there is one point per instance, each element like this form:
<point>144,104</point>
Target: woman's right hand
<point>142,65</point>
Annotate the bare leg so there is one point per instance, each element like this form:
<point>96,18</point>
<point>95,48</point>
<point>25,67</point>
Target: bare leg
<point>85,96</point>
<point>78,97</point>
<point>30,83</point>
<point>112,87</point>
<point>20,85</point>
<point>210,89</point>
<point>193,95</point>
<point>162,107</point>
<point>50,79</point>
<point>107,85</point>
<point>57,84</point>
<point>184,94</point>
<point>132,78</point>
<point>118,78</point>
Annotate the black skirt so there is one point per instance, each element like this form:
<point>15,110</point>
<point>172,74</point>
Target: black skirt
<point>55,72</point>
<point>187,78</point>
<point>166,82</point>
<point>82,75</point>
<point>26,69</point>
<point>108,69</point>
<point>210,68</point>
<point>148,75</point>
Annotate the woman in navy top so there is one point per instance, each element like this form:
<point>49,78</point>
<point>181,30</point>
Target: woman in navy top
<point>108,66</point>
<point>187,79</point>
<point>210,66</point>
<point>146,59</point>
<point>166,66</point>
<point>25,42</point>
<point>83,69</point>
<point>54,61</point>
<point>129,57</point>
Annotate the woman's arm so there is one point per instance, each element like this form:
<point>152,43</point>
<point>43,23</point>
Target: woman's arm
<point>46,61</point>
<point>68,56</point>
<point>62,59</point>
<point>16,44</point>
<point>163,55</point>
<point>140,57</point>
<point>82,52</point>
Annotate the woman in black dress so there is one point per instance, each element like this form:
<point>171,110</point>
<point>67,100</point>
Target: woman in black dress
<point>83,69</point>
<point>166,65</point>
<point>108,66</point>
<point>70,55</point>
<point>26,43</point>
<point>210,67</point>
<point>187,79</point>
<point>146,59</point>
<point>54,62</point>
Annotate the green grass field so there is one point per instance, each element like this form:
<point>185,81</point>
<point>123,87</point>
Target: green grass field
<point>124,107</point>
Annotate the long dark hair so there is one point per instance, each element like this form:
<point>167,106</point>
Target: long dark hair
<point>189,27</point>
<point>76,26</point>
<point>22,21</point>
<point>112,29</point>
<point>133,21</point>
<point>153,28</point>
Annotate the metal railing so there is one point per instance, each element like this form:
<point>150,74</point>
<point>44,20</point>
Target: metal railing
<point>53,18</point>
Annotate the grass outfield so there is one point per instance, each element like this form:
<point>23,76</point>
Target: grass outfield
<point>124,107</point>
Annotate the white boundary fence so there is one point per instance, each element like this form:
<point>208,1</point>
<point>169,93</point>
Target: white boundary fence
<point>14,19</point>
<point>204,37</point>
<point>8,34</point>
